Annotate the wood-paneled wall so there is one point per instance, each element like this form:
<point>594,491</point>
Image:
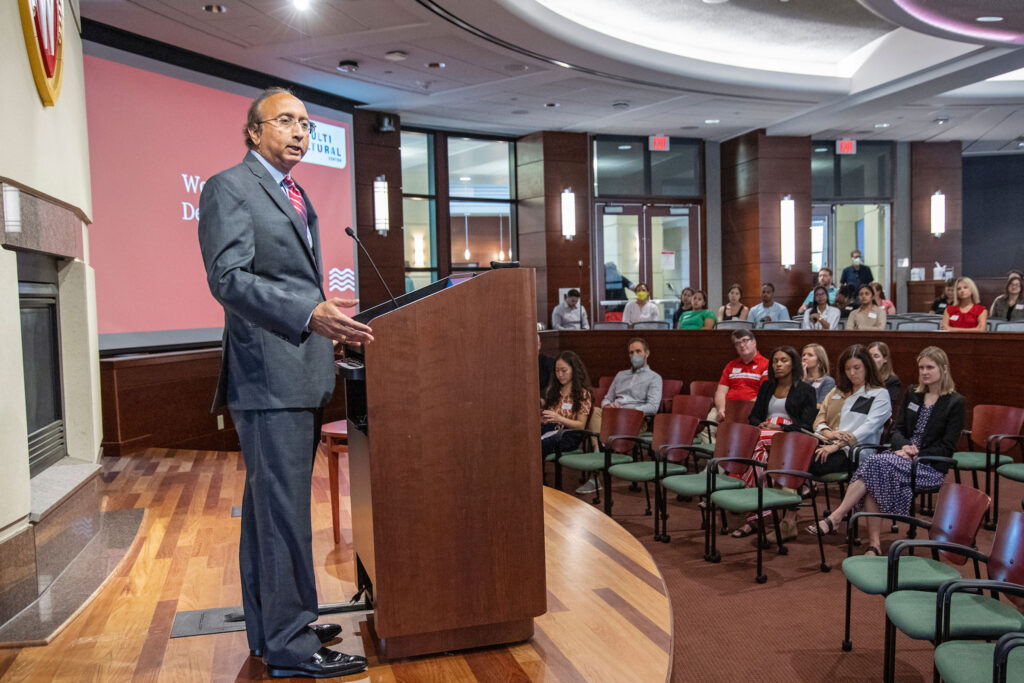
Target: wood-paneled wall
<point>758,171</point>
<point>377,154</point>
<point>547,164</point>
<point>936,166</point>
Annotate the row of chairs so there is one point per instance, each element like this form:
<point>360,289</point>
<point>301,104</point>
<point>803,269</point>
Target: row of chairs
<point>907,322</point>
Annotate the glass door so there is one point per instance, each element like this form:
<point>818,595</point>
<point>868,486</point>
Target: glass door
<point>865,228</point>
<point>620,251</point>
<point>674,236</point>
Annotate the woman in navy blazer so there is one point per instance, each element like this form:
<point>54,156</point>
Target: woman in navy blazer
<point>928,426</point>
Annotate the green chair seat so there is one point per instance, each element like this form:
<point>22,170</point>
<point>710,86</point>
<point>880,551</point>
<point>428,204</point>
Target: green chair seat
<point>591,462</point>
<point>745,500</point>
<point>974,616</point>
<point>833,477</point>
<point>973,460</point>
<point>642,471</point>
<point>697,484</point>
<point>1014,470</point>
<point>963,661</point>
<point>869,573</point>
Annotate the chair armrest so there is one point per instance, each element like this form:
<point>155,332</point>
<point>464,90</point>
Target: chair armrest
<point>1008,642</point>
<point>998,439</point>
<point>665,448</point>
<point>899,545</point>
<point>584,432</point>
<point>796,473</point>
<point>748,461</point>
<point>944,599</point>
<point>857,448</point>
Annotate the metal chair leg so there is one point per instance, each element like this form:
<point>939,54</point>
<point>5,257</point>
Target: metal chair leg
<point>847,643</point>
<point>647,495</point>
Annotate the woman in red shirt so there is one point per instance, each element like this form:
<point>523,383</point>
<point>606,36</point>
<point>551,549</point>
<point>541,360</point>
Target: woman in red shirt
<point>967,314</point>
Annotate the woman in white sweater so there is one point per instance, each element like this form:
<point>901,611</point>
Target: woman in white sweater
<point>641,309</point>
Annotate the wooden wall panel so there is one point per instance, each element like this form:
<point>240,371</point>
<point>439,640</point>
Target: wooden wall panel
<point>936,166</point>
<point>378,154</point>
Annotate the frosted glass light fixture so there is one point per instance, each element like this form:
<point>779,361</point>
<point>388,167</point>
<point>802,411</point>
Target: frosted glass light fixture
<point>938,213</point>
<point>381,223</point>
<point>568,214</point>
<point>787,232</point>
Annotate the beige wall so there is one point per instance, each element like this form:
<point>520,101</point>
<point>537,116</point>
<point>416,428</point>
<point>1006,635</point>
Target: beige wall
<point>45,150</point>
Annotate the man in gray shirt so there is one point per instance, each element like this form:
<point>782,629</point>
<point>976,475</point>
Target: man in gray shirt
<point>769,309</point>
<point>570,314</point>
<point>639,387</point>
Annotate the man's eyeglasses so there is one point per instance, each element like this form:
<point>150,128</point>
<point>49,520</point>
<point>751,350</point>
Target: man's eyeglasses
<point>286,121</point>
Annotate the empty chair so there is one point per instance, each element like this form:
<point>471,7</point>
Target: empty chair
<point>782,325</point>
<point>670,388</point>
<point>652,325</point>
<point>703,388</point>
<point>1007,325</point>
<point>735,325</point>
<point>994,428</point>
<point>611,325</point>
<point>688,404</point>
<point>965,661</point>
<point>605,382</point>
<point>910,325</point>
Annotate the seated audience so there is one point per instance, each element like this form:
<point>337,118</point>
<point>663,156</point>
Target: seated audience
<point>570,314</point>
<point>742,376</point>
<point>820,316</point>
<point>865,408</point>
<point>567,404</point>
<point>867,316</point>
<point>880,355</point>
<point>815,366</point>
<point>824,280</point>
<point>880,300</point>
<point>698,317</point>
<point>733,308</point>
<point>641,309</point>
<point>769,309</point>
<point>685,304</point>
<point>846,301</point>
<point>929,425</point>
<point>939,305</point>
<point>784,403</point>
<point>1010,304</point>
<point>966,314</point>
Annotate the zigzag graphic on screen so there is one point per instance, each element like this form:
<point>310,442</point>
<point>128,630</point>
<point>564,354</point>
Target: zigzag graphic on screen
<point>341,280</point>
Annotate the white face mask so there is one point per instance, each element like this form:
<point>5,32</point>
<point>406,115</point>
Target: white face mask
<point>637,359</point>
<point>856,260</point>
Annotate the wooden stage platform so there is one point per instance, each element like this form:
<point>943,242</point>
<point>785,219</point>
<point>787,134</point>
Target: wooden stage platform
<point>608,619</point>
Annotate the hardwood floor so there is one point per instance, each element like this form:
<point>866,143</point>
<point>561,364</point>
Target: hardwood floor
<point>608,618</point>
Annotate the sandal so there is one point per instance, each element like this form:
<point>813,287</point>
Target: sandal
<point>816,530</point>
<point>744,531</point>
<point>873,551</point>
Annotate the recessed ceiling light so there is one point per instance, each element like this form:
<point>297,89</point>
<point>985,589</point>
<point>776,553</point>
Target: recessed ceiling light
<point>1021,143</point>
<point>435,65</point>
<point>561,64</point>
<point>821,149</point>
<point>711,122</point>
<point>465,178</point>
<point>989,19</point>
<point>348,66</point>
<point>301,5</point>
<point>882,125</point>
<point>714,2</point>
<point>620,105</point>
<point>395,56</point>
<point>941,121</point>
<point>625,146</point>
<point>551,105</point>
<point>215,9</point>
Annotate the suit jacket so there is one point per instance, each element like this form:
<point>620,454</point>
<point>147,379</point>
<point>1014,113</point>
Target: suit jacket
<point>801,405</point>
<point>941,432</point>
<point>261,269</point>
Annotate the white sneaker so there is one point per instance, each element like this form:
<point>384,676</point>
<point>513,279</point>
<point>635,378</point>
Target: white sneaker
<point>590,486</point>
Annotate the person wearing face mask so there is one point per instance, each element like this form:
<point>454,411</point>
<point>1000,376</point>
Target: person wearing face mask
<point>928,425</point>
<point>641,309</point>
<point>856,273</point>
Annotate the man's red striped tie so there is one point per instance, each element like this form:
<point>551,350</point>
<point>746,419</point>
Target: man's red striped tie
<point>296,197</point>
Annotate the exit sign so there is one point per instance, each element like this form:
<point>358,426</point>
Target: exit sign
<point>846,146</point>
<point>658,143</point>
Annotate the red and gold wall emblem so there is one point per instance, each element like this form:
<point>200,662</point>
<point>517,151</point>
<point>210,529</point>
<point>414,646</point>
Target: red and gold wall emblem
<point>42,22</point>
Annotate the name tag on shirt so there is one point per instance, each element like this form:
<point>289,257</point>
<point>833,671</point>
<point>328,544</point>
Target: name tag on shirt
<point>872,315</point>
<point>913,407</point>
<point>566,406</point>
<point>836,397</point>
<point>954,317</point>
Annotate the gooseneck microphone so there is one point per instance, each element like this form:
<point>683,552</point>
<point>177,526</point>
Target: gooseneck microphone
<point>351,233</point>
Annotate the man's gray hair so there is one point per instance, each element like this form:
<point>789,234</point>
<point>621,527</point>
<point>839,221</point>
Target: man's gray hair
<point>252,119</point>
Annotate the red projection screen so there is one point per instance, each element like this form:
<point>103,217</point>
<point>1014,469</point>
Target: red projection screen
<point>154,139</point>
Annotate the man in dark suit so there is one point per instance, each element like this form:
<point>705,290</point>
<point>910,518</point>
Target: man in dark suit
<point>260,242</point>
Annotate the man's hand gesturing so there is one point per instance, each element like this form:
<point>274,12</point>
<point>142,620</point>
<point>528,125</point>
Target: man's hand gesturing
<point>328,321</point>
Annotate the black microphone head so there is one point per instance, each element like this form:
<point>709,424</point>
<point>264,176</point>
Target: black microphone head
<point>348,231</point>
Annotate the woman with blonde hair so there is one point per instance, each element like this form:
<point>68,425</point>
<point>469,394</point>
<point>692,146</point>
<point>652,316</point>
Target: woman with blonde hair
<point>965,313</point>
<point>814,359</point>
<point>879,351</point>
<point>927,427</point>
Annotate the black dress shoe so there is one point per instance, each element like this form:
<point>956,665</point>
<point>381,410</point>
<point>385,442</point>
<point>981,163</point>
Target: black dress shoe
<point>325,632</point>
<point>324,663</point>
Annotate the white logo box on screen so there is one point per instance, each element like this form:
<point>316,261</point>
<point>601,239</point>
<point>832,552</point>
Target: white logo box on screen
<point>327,146</point>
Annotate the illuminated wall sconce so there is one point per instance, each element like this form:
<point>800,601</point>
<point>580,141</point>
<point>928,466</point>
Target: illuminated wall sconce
<point>568,214</point>
<point>417,250</point>
<point>938,213</point>
<point>381,223</point>
<point>787,232</point>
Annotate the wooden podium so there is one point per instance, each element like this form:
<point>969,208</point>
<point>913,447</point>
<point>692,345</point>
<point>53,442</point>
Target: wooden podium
<point>444,434</point>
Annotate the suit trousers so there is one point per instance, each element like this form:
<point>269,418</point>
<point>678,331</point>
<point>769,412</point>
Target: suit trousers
<point>275,549</point>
